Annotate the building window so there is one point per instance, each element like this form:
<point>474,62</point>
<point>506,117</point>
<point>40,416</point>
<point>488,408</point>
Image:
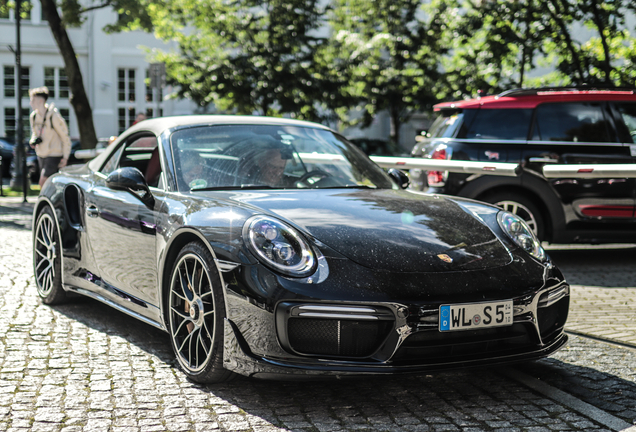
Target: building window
<point>125,118</point>
<point>10,82</point>
<point>126,85</point>
<point>57,82</point>
<point>10,122</point>
<point>150,92</point>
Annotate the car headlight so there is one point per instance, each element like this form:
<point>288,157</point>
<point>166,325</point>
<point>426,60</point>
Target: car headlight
<point>279,246</point>
<point>521,234</point>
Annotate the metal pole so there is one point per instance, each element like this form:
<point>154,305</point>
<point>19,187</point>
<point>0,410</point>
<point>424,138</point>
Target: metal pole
<point>20,138</point>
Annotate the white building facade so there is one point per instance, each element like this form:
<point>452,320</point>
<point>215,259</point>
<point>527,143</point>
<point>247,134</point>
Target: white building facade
<point>114,68</point>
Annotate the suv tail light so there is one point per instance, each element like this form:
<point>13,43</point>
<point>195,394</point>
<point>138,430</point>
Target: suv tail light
<point>438,178</point>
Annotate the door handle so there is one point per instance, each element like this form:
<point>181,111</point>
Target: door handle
<point>92,211</point>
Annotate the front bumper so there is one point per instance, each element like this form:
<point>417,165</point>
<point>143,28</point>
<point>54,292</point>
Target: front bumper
<point>337,339</point>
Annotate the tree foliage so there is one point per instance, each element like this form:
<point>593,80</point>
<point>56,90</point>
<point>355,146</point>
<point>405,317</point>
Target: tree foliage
<point>245,56</point>
<point>389,53</point>
<point>500,44</point>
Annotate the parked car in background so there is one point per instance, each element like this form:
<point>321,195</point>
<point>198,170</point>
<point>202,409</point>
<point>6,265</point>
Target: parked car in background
<point>34,166</point>
<point>274,248</point>
<point>535,127</point>
<point>6,151</point>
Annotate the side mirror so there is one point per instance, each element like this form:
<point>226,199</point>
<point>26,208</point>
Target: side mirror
<point>400,177</point>
<point>132,180</point>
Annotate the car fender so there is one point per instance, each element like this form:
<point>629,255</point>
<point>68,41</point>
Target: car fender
<point>177,240</point>
<point>529,183</point>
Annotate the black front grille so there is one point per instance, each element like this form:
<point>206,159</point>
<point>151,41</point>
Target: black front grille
<point>552,318</point>
<point>431,346</point>
<point>341,338</point>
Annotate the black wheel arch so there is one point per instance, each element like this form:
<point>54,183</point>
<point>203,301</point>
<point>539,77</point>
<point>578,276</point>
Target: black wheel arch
<point>177,242</point>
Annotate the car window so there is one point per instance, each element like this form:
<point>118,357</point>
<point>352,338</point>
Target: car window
<point>140,152</point>
<point>627,113</point>
<point>444,126</point>
<point>268,156</point>
<point>577,122</point>
<point>499,124</point>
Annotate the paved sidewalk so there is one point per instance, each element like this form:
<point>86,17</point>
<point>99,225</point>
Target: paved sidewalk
<point>607,313</point>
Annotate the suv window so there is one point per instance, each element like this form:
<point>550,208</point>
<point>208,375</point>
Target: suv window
<point>577,122</point>
<point>502,124</point>
<point>627,112</point>
<point>445,125</point>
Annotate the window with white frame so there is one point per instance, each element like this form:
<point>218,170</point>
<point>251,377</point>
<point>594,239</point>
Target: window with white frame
<point>126,85</point>
<point>151,92</point>
<point>126,99</point>
<point>10,81</point>
<point>10,122</point>
<point>125,118</point>
<point>56,80</point>
<point>152,95</point>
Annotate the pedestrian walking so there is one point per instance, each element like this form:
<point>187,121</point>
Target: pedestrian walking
<point>49,134</point>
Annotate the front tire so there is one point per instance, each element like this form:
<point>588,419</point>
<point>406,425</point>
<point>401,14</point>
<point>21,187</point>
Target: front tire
<point>196,314</point>
<point>47,258</point>
<point>521,206</point>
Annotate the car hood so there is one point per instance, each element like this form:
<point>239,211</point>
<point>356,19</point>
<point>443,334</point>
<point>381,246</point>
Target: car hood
<point>392,230</point>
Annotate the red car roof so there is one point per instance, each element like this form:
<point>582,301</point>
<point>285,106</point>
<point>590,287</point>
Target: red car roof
<point>530,101</point>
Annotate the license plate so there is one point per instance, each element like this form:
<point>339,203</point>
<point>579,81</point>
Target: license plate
<point>471,316</point>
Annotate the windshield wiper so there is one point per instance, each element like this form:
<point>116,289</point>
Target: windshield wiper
<point>235,187</point>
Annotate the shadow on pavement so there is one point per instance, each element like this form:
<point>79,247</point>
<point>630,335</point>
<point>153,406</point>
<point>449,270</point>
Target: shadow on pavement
<point>467,397</point>
<point>609,388</point>
<point>14,214</point>
<point>603,267</point>
<point>105,319</point>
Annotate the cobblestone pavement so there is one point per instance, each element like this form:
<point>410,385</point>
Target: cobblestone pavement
<point>84,366</point>
<point>603,298</point>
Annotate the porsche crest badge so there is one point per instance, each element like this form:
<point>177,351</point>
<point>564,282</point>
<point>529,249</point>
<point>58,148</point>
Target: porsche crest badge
<point>445,258</point>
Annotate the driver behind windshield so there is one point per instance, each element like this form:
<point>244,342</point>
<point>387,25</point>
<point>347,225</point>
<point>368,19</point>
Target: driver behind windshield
<point>265,164</point>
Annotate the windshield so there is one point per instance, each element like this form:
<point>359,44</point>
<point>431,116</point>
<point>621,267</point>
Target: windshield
<point>270,157</point>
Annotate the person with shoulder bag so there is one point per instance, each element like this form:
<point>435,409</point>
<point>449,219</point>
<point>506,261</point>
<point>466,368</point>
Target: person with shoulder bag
<point>49,134</point>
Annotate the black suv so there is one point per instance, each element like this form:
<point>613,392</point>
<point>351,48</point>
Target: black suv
<point>534,128</point>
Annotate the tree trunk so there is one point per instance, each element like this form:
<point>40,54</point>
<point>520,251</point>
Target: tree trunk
<point>607,66</point>
<point>79,99</point>
<point>556,14</point>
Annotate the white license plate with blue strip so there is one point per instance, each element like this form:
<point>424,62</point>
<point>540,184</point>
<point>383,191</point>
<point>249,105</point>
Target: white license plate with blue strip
<point>473,316</point>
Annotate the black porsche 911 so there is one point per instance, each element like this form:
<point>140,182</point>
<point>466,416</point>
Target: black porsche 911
<point>274,248</point>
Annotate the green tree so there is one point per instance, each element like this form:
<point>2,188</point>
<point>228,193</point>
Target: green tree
<point>605,58</point>
<point>387,51</point>
<point>495,44</point>
<point>245,56</point>
<point>132,14</point>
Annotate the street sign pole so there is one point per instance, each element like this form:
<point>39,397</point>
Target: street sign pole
<point>157,82</point>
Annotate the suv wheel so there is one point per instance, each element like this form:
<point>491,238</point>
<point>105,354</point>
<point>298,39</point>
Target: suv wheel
<point>521,206</point>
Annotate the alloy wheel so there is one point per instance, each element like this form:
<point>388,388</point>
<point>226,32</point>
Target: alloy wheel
<point>45,254</point>
<point>192,313</point>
